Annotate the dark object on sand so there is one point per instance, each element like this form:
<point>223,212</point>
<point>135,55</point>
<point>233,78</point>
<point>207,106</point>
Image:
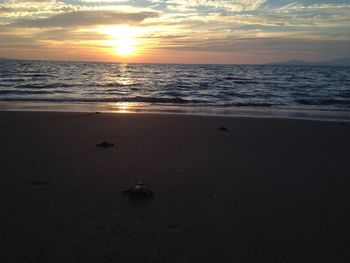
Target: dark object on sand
<point>222,129</point>
<point>105,144</point>
<point>139,191</point>
<point>97,112</point>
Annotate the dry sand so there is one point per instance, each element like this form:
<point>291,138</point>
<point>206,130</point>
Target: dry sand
<point>267,190</point>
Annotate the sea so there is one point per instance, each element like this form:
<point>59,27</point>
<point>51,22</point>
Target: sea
<point>311,92</point>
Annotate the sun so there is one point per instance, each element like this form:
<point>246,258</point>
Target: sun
<point>122,39</point>
<point>125,46</point>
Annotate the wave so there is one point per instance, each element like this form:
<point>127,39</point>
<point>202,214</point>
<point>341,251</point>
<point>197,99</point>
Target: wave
<point>111,85</point>
<point>346,94</point>
<point>188,85</point>
<point>251,104</point>
<point>237,95</point>
<point>109,100</point>
<point>45,86</point>
<point>38,75</point>
<point>24,92</point>
<point>164,100</point>
<point>242,82</point>
<point>12,80</point>
<point>324,102</point>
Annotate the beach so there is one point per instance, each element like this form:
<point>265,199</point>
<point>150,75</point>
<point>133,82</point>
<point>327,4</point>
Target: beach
<point>263,190</point>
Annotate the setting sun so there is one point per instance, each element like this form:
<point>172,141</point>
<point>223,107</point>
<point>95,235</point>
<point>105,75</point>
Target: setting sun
<point>125,47</point>
<point>122,39</point>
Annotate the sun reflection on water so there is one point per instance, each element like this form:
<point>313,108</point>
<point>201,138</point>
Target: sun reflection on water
<point>125,107</point>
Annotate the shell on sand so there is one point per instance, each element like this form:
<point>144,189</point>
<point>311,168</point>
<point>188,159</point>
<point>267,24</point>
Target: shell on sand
<point>139,190</point>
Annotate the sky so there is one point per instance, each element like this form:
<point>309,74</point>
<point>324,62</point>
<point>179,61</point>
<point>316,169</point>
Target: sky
<point>175,31</point>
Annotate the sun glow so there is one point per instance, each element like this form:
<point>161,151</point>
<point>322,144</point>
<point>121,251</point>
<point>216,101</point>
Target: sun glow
<point>125,107</point>
<point>125,47</point>
<point>123,40</point>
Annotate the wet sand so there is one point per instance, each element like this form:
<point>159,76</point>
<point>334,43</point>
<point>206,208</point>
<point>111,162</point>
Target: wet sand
<point>266,190</point>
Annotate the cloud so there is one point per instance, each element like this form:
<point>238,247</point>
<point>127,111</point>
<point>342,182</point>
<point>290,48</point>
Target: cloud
<point>104,1</point>
<point>86,18</point>
<point>221,26</point>
<point>262,50</point>
<point>25,1</point>
<point>13,10</point>
<point>23,11</point>
<point>206,5</point>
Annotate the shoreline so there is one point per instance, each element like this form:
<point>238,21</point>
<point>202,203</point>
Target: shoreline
<point>187,110</point>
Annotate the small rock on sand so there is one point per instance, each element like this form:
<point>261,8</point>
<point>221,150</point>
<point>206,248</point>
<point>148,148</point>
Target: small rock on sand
<point>222,128</point>
<point>105,144</point>
<point>139,191</point>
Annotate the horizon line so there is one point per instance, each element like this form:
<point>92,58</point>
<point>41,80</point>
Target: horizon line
<point>309,63</point>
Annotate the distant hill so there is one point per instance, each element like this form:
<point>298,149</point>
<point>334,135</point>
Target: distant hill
<point>339,62</point>
<point>2,58</point>
<point>291,62</point>
<point>333,62</point>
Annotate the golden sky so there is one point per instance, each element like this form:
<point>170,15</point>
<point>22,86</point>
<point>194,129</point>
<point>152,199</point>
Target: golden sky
<point>169,31</point>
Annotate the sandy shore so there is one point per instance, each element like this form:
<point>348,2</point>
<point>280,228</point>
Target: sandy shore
<point>267,190</point>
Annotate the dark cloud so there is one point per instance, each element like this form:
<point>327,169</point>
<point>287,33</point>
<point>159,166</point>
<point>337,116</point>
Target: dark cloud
<point>4,9</point>
<point>275,47</point>
<point>67,34</point>
<point>86,18</point>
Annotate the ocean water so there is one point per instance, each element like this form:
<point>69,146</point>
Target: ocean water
<point>225,87</point>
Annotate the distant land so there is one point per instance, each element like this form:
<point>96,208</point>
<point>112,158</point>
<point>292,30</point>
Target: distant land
<point>2,58</point>
<point>333,62</point>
